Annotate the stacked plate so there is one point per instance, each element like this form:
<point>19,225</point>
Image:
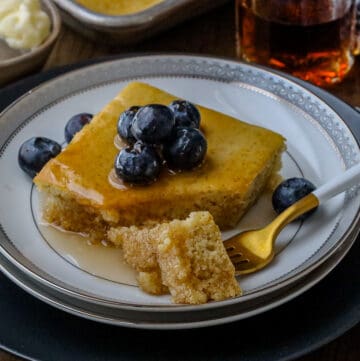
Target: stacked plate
<point>51,265</point>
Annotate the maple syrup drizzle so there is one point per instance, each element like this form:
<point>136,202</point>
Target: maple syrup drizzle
<point>115,181</point>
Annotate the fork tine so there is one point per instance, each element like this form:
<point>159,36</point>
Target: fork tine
<point>230,245</point>
<point>235,253</point>
<point>244,268</point>
<point>238,260</point>
<point>239,264</point>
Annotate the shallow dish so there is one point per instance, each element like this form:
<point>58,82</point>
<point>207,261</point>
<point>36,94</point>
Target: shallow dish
<point>320,145</point>
<point>125,29</point>
<point>14,64</point>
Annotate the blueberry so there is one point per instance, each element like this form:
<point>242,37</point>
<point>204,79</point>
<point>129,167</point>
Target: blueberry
<point>153,124</point>
<point>75,124</point>
<point>186,114</point>
<point>35,153</point>
<point>139,164</point>
<point>186,149</point>
<point>290,191</point>
<point>125,122</point>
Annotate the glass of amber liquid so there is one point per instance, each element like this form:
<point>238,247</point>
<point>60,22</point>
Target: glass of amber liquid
<point>311,39</point>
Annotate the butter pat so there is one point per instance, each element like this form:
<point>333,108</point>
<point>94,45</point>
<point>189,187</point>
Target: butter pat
<point>23,24</point>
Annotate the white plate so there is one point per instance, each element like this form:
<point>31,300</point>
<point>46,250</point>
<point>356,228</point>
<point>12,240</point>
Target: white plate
<point>319,144</point>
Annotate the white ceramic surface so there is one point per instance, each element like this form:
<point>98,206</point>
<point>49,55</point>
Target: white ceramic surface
<point>319,147</point>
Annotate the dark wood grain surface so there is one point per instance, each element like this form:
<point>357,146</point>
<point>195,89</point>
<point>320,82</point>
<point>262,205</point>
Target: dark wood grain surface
<point>214,34</point>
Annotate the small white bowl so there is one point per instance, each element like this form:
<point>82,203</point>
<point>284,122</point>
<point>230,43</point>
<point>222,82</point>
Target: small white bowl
<point>16,64</point>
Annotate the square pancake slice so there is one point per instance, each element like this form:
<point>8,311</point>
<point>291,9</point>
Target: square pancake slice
<point>79,192</point>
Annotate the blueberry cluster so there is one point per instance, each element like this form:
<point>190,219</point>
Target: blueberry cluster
<point>157,135</point>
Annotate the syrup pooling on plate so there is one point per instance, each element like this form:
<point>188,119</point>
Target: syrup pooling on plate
<point>102,260</point>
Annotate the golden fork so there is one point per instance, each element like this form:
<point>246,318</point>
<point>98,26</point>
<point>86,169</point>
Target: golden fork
<point>252,250</point>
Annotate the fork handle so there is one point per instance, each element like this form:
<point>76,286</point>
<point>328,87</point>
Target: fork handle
<point>338,184</point>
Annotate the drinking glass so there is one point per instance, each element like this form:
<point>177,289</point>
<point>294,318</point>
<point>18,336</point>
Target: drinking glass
<point>315,40</point>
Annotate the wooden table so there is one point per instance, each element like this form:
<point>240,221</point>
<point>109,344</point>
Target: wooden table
<point>214,34</point>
